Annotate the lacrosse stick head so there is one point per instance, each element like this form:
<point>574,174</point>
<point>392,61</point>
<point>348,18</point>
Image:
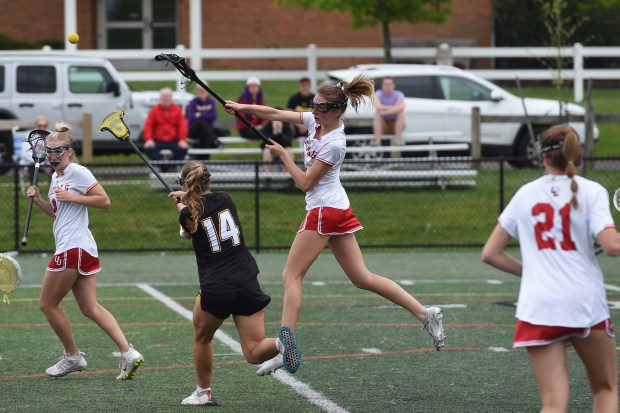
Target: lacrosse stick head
<point>115,124</point>
<point>36,140</point>
<point>178,62</point>
<point>10,276</point>
<point>616,199</point>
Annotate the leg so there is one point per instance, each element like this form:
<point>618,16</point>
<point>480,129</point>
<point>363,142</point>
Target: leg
<point>205,326</point>
<point>549,364</point>
<point>377,128</point>
<point>349,256</point>
<point>85,293</point>
<point>399,127</point>
<point>153,152</point>
<point>304,251</point>
<point>55,287</point>
<point>178,152</point>
<point>256,348</point>
<point>267,158</point>
<point>598,354</point>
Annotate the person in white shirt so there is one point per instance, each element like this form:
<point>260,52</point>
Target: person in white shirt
<point>73,189</point>
<point>329,217</point>
<point>556,219</point>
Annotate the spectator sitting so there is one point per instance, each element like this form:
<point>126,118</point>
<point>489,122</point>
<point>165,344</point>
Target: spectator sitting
<point>280,132</point>
<point>390,115</point>
<point>201,115</point>
<point>165,128</point>
<point>300,102</point>
<point>252,95</point>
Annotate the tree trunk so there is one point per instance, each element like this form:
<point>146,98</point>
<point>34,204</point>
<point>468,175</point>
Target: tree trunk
<point>387,40</point>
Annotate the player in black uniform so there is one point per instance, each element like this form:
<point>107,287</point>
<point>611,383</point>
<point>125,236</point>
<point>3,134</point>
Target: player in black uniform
<point>228,276</point>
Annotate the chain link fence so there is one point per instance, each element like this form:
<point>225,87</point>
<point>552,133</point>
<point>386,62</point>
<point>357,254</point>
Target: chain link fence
<point>402,203</point>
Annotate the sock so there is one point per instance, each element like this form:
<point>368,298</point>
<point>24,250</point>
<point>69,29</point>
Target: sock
<point>279,345</point>
<point>127,352</point>
<point>202,391</point>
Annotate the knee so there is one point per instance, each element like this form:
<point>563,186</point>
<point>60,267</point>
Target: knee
<point>47,307</point>
<point>251,357</point>
<point>202,337</point>
<point>363,281</point>
<point>291,279</point>
<point>90,311</point>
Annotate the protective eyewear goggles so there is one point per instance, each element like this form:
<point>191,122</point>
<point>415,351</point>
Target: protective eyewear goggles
<point>56,151</point>
<point>326,106</point>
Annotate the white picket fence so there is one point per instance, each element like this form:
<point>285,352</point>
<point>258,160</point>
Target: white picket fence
<point>312,54</point>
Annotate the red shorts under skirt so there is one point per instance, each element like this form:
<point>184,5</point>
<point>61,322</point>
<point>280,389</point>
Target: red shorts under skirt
<point>527,335</point>
<point>75,258</point>
<point>330,221</point>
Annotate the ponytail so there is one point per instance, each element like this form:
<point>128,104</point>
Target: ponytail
<point>571,151</point>
<point>62,134</point>
<point>360,87</point>
<point>198,181</point>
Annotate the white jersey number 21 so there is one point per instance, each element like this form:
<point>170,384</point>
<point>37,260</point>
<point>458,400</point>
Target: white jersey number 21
<point>228,230</point>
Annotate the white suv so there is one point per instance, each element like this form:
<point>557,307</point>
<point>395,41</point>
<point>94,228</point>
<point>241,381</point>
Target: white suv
<point>441,98</point>
<point>62,86</point>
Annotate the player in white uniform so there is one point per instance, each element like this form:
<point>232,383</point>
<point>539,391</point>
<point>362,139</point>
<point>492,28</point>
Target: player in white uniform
<point>329,217</point>
<point>556,219</point>
<point>73,189</point>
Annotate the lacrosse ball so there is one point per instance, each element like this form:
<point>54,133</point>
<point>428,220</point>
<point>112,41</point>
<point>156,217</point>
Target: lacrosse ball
<point>74,38</point>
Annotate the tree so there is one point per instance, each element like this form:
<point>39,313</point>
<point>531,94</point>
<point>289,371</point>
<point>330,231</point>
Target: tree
<point>369,13</point>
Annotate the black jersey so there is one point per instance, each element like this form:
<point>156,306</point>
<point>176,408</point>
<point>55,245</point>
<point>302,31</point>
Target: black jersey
<point>224,263</point>
<point>300,103</point>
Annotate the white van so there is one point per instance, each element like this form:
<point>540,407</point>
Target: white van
<point>63,86</point>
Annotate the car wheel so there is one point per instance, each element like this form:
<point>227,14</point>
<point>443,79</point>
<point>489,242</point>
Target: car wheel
<point>527,149</point>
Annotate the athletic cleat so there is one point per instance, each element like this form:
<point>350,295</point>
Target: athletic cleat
<point>129,363</point>
<point>198,399</point>
<point>270,366</point>
<point>67,364</point>
<point>433,325</point>
<point>291,354</point>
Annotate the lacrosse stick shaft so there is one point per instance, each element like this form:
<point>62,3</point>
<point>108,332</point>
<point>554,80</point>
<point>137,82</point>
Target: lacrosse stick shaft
<point>135,148</point>
<point>241,118</point>
<point>35,180</point>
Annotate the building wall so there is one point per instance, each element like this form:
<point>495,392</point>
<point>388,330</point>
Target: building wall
<point>254,24</point>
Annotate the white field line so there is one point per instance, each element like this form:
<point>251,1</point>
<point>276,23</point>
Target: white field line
<point>372,350</point>
<point>612,287</point>
<point>301,388</point>
<point>499,349</point>
<point>434,305</point>
<point>495,282</point>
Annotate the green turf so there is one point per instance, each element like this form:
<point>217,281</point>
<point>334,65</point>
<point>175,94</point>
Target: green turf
<point>336,323</point>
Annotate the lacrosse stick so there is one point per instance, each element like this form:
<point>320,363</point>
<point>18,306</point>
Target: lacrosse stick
<point>36,140</point>
<point>189,73</point>
<point>616,201</point>
<point>115,124</point>
<point>10,275</point>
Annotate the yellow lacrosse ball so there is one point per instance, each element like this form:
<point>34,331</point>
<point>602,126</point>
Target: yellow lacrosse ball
<point>74,38</point>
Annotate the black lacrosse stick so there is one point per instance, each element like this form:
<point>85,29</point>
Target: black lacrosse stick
<point>189,73</point>
<point>36,140</point>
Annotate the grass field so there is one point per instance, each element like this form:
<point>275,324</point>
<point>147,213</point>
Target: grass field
<point>360,352</point>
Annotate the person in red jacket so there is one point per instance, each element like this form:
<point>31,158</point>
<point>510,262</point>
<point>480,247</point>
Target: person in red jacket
<point>165,128</point>
<point>252,95</point>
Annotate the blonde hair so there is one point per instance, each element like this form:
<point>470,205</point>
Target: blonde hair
<point>355,91</point>
<point>63,136</point>
<point>567,157</point>
<point>198,182</point>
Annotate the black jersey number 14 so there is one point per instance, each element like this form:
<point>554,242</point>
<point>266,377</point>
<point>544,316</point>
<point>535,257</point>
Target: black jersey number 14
<point>548,242</point>
<point>229,230</point>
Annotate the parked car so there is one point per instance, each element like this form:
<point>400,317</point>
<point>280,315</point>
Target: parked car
<point>63,86</point>
<point>441,98</point>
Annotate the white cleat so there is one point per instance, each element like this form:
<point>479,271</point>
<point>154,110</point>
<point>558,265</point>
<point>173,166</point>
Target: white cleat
<point>270,366</point>
<point>129,363</point>
<point>433,325</point>
<point>198,399</point>
<point>67,364</point>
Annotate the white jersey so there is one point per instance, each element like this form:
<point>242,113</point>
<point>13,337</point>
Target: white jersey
<point>562,283</point>
<point>71,219</point>
<point>330,149</point>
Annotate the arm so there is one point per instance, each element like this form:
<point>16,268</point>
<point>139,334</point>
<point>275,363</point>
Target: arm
<point>95,198</point>
<point>263,112</point>
<point>147,130</point>
<point>493,253</point>
<point>211,114</point>
<point>304,180</point>
<point>182,128</point>
<point>394,109</point>
<point>33,192</point>
<point>190,113</point>
<point>609,239</point>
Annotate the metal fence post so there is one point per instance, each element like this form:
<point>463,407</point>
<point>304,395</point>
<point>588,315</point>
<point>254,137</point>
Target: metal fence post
<point>312,65</point>
<point>16,206</point>
<point>256,208</point>
<point>501,185</point>
<point>476,151</point>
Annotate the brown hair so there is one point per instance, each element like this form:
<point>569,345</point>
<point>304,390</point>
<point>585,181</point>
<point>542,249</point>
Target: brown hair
<point>361,86</point>
<point>63,136</point>
<point>567,156</point>
<point>198,182</point>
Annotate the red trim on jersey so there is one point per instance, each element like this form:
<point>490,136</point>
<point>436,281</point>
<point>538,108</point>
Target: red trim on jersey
<point>85,263</point>
<point>92,186</point>
<point>325,161</point>
<point>612,226</point>
<point>527,334</point>
<point>330,221</point>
